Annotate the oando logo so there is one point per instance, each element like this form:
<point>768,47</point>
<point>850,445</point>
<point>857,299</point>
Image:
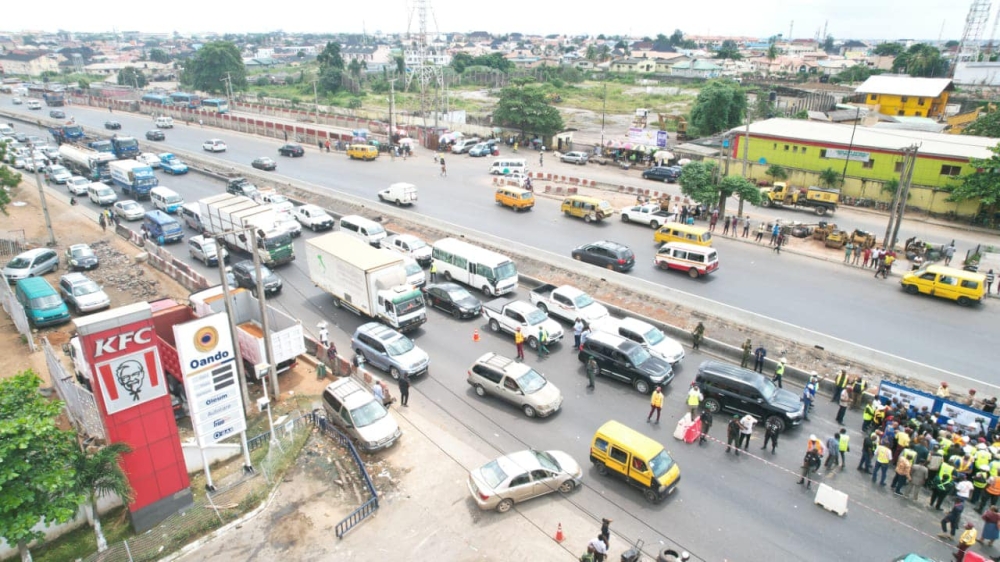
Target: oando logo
<point>205,340</point>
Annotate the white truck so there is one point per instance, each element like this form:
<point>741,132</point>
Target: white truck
<point>314,218</point>
<point>651,215</point>
<point>287,337</point>
<point>368,281</point>
<point>507,315</point>
<point>567,303</point>
<point>223,214</point>
<point>399,193</point>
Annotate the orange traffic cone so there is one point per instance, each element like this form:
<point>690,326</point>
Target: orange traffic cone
<point>559,534</point>
<point>475,335</point>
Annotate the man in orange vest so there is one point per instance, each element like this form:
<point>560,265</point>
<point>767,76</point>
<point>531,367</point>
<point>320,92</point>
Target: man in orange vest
<point>655,405</point>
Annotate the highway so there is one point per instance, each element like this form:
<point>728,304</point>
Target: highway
<point>726,508</point>
<point>824,297</point>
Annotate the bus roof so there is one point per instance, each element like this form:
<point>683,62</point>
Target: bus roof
<point>480,255</point>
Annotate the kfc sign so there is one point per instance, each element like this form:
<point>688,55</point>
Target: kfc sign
<point>120,342</point>
<point>130,380</point>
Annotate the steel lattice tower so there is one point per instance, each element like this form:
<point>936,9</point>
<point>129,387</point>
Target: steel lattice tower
<point>972,35</point>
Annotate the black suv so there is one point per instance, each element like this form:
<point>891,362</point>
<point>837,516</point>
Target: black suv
<point>243,274</point>
<point>607,254</point>
<point>742,391</point>
<point>241,186</point>
<point>662,173</point>
<point>624,360</point>
<point>293,150</point>
<point>155,135</point>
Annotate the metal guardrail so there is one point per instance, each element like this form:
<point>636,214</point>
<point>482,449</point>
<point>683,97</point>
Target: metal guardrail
<point>16,312</point>
<point>369,507</point>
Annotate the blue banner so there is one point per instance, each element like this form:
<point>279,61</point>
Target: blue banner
<point>947,411</point>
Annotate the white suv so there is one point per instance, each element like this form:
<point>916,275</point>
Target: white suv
<point>516,383</point>
<point>355,411</point>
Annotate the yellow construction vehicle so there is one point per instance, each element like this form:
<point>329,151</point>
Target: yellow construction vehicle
<point>863,239</point>
<point>836,239</point>
<point>682,124</point>
<point>821,200</point>
<point>823,230</point>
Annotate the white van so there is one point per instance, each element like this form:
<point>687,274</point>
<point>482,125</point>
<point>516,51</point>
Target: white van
<point>644,334</point>
<point>399,193</point>
<point>463,146</point>
<point>694,259</point>
<point>101,194</point>
<point>363,229</point>
<point>165,199</point>
<point>164,122</point>
<point>191,214</point>
<point>505,166</point>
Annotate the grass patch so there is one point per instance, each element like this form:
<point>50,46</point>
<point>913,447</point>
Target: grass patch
<point>80,542</point>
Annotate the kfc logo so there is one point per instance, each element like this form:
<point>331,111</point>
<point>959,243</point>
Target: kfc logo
<point>119,342</point>
<point>131,380</point>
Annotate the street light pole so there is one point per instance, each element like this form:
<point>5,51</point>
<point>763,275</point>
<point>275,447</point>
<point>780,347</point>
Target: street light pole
<point>850,147</point>
<point>604,111</point>
<point>316,101</point>
<point>41,196</point>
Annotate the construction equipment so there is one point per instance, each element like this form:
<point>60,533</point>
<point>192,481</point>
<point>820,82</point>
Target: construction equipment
<point>820,200</point>
<point>836,239</point>
<point>863,239</point>
<point>681,122</point>
<point>823,230</point>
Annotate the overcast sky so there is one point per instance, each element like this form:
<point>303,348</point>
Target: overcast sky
<point>861,19</point>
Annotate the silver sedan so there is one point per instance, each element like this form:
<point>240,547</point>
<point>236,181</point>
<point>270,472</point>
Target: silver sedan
<point>129,210</point>
<point>521,476</point>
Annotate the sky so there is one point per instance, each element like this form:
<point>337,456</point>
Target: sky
<point>844,19</point>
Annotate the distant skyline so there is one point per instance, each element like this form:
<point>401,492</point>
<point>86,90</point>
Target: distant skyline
<point>844,19</point>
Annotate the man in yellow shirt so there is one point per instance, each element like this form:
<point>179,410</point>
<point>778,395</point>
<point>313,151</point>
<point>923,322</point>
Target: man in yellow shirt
<point>519,343</point>
<point>967,539</point>
<point>655,405</point>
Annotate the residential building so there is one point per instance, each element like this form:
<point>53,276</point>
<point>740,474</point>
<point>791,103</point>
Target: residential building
<point>696,69</point>
<point>30,64</point>
<point>368,54</point>
<point>629,65</point>
<point>977,74</point>
<point>907,96</point>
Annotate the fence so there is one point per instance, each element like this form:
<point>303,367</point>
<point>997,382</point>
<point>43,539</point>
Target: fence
<point>369,507</point>
<point>80,404</point>
<point>16,313</point>
<point>12,243</point>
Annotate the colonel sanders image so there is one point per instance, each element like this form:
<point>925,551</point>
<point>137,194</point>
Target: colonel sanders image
<point>130,375</point>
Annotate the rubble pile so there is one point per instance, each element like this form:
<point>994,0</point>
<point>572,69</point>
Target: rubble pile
<point>118,270</point>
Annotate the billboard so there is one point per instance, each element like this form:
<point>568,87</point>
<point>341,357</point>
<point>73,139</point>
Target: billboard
<point>647,137</point>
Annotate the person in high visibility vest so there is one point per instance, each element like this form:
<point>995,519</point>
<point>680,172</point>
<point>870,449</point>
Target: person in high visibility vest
<point>992,492</point>
<point>942,485</point>
<point>839,385</point>
<point>843,447</point>
<point>779,372</point>
<point>655,405</point>
<point>982,458</point>
<point>868,417</point>
<point>883,456</point>
<point>967,539</point>
<point>694,398</point>
<point>543,339</point>
<point>979,481</point>
<point>858,391</point>
<point>434,272</point>
<point>519,343</point>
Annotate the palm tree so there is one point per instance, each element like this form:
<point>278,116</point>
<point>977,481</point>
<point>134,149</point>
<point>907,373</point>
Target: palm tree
<point>99,473</point>
<point>591,53</point>
<point>829,178</point>
<point>776,172</point>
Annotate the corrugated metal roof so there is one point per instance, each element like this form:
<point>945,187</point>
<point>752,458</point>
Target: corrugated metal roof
<point>938,144</point>
<point>905,86</point>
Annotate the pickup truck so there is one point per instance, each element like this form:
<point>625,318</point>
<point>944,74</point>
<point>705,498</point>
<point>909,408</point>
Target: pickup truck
<point>241,186</point>
<point>567,303</point>
<point>508,315</point>
<point>172,165</point>
<point>650,215</point>
<point>314,218</point>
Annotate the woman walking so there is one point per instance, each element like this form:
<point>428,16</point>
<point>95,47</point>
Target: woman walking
<point>991,530</point>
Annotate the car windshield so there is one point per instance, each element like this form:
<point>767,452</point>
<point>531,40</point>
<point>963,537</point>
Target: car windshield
<point>174,199</point>
<point>767,388</point>
<point>376,229</point>
<point>264,271</point>
<point>653,336</point>
<point>105,192</point>
<point>129,206</point>
<point>58,170</point>
<point>273,242</point>
<point>506,270</point>
<point>492,474</point>
<point>458,294</point>
<point>661,463</point>
<point>583,300</point>
<point>536,316</point>
<point>85,288</point>
<point>398,346</point>
<point>409,304</point>
<point>547,461</point>
<point>604,205</point>
<point>48,301</point>
<point>416,244</point>
<point>638,355</point>
<point>368,414</point>
<point>412,268</point>
<point>19,263</point>
<point>531,382</point>
<point>128,143</point>
<point>79,181</point>
<point>83,252</point>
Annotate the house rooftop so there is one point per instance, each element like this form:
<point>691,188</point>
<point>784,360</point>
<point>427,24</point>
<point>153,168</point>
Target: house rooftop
<point>896,85</point>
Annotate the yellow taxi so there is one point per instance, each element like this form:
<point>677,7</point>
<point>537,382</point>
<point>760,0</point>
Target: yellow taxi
<point>362,152</point>
<point>687,233</point>
<point>515,198</point>
<point>623,452</point>
<point>589,209</point>
<point>964,287</point>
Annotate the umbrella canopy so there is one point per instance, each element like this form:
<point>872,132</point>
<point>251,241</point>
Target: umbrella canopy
<point>684,161</point>
<point>664,155</point>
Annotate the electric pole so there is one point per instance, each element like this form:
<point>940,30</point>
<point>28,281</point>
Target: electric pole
<point>898,205</point>
<point>392,109</point>
<point>41,196</point>
<point>316,100</point>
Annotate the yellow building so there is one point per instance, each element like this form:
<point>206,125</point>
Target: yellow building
<point>906,96</point>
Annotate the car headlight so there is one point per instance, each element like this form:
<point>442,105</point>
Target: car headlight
<point>72,262</point>
<point>371,444</point>
<point>662,488</point>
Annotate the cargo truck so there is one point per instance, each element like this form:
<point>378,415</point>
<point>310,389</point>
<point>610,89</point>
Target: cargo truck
<point>223,214</point>
<point>818,199</point>
<point>124,147</point>
<point>134,178</point>
<point>368,281</point>
<point>87,162</point>
<point>67,133</point>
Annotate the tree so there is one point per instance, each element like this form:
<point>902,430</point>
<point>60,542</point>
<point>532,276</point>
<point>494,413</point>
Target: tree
<point>986,125</point>
<point>772,52</point>
<point>159,55</point>
<point>982,185</point>
<point>131,76</point>
<point>776,173</point>
<point>330,57</point>
<point>400,65</point>
<point>856,73</point>
<point>677,37</point>
<point>697,181</point>
<point>460,61</point>
<point>9,179</point>
<point>828,44</point>
<point>604,52</point>
<point>888,49</point>
<point>720,105</point>
<point>830,178</point>
<point>356,67</point>
<point>763,107</point>
<point>330,79</point>
<point>37,477</point>
<point>99,473</point>
<point>921,60</point>
<point>951,44</point>
<point>801,114</point>
<point>591,53</point>
<point>213,62</point>
<point>527,108</point>
<point>739,186</point>
<point>661,43</point>
<point>728,50</point>
<point>83,84</point>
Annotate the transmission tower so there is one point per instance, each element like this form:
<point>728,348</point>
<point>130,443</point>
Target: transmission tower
<point>993,35</point>
<point>423,69</point>
<point>972,35</point>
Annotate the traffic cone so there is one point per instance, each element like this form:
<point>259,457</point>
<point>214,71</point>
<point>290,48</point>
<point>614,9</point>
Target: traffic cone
<point>559,534</point>
<point>475,335</point>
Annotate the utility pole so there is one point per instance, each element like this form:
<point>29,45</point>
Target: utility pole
<point>41,196</point>
<point>904,192</point>
<point>228,80</point>
<point>604,112</point>
<point>316,100</point>
<point>746,158</point>
<point>850,147</point>
<point>728,148</point>
<point>264,323</point>
<point>392,106</point>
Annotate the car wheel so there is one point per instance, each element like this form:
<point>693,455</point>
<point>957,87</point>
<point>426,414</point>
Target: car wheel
<point>601,468</point>
<point>567,487</point>
<point>641,386</point>
<point>487,291</point>
<point>610,266</point>
<point>505,505</point>
<point>820,211</point>
<point>964,301</point>
<point>776,422</point>
<point>651,496</point>
<point>912,289</point>
<point>533,343</point>
<point>528,411</point>
<point>542,307</point>
<point>765,202</point>
<point>654,225</point>
<point>712,405</point>
<point>587,218</point>
<point>625,218</point>
<point>380,198</point>
<point>494,326</point>
<point>480,391</point>
<point>336,302</point>
<point>395,373</point>
<point>456,314</point>
<point>398,203</point>
<point>447,276</point>
<point>693,273</point>
<point>577,257</point>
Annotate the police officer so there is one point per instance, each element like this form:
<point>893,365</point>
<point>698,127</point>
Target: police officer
<point>770,436</point>
<point>779,372</point>
<point>733,434</point>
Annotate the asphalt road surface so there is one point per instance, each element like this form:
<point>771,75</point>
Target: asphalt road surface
<point>824,297</point>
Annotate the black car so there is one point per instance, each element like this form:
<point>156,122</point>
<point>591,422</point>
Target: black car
<point>742,391</point>
<point>57,114</point>
<point>624,360</point>
<point>608,254</point>
<point>453,299</point>
<point>264,163</point>
<point>294,150</point>
<point>155,135</point>
<point>243,273</point>
<point>662,173</point>
<point>112,125</point>
<point>241,186</point>
<point>79,257</point>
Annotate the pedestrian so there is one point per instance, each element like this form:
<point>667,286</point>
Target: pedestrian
<point>725,226</point>
<point>918,478</point>
<point>331,356</point>
<point>843,403</point>
<point>697,335</point>
<point>201,123</point>
<point>543,340</point>
<point>807,399</point>
<point>109,109</point>
<point>759,237</point>
<point>694,398</point>
<point>747,351</point>
<point>867,254</point>
<point>758,358</point>
<point>867,449</point>
<point>839,385</point>
<point>883,456</point>
<point>319,144</point>
<point>942,484</point>
<point>606,530</point>
<point>848,248</point>
<point>519,344</point>
<point>706,425</point>
<point>810,463</point>
<point>779,372</point>
<point>952,519</point>
<point>286,135</point>
<point>775,231</point>
<point>857,255</point>
<point>991,531</point>
<point>858,392</point>
<point>832,451</point>
<point>577,332</point>
<point>444,170</point>
<point>656,404</point>
<point>778,242</point>
<point>963,487</point>
<point>541,159</point>
<point>967,539</point>
<point>404,389</point>
<point>378,392</point>
<point>600,547</point>
<point>903,466</point>
<point>327,145</point>
<point>585,335</point>
<point>713,220</point>
<point>949,253</point>
<point>746,430</point>
<point>989,281</point>
<point>103,221</point>
<point>746,226</point>
<point>324,335</point>
<point>771,436</point>
<point>735,220</point>
<point>992,492</point>
<point>733,434</point>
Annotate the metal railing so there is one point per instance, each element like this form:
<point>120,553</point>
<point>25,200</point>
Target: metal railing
<point>80,404</point>
<point>12,243</point>
<point>16,312</point>
<point>369,507</point>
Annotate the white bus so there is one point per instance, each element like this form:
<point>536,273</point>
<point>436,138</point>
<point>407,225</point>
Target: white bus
<point>492,273</point>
